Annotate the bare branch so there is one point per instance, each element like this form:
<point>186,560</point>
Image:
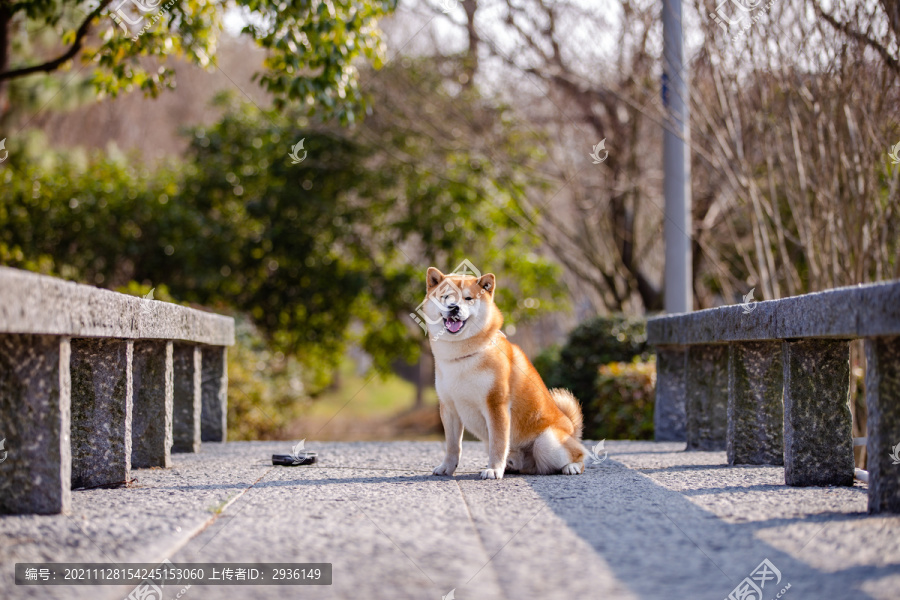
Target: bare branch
<point>846,29</point>
<point>75,48</point>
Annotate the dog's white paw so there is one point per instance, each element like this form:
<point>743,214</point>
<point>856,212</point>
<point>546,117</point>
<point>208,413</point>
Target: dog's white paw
<point>492,474</point>
<point>573,469</point>
<point>444,470</point>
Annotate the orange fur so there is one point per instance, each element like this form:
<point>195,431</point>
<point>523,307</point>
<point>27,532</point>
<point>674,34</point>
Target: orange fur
<point>487,385</point>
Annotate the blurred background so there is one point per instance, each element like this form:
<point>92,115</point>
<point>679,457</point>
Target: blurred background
<point>299,164</point>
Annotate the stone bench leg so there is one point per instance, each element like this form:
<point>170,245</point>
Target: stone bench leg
<point>152,375</point>
<point>883,427</point>
<point>818,442</point>
<point>186,361</point>
<point>755,409</point>
<point>669,409</point>
<point>706,388</point>
<point>214,392</point>
<point>101,412</point>
<point>35,472</point>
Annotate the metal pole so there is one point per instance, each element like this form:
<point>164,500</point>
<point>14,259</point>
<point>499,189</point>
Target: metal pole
<point>677,164</point>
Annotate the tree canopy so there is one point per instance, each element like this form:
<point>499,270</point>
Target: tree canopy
<point>310,46</point>
<point>319,253</point>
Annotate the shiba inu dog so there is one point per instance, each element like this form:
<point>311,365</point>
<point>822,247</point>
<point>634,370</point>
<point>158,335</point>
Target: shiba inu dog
<point>488,386</point>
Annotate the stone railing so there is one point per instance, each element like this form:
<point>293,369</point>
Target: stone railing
<point>94,383</point>
<point>769,383</point>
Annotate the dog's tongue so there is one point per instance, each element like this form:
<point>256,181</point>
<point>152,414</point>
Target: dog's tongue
<point>453,326</point>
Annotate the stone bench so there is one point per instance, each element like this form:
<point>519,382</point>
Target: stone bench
<point>94,383</point>
<point>769,383</point>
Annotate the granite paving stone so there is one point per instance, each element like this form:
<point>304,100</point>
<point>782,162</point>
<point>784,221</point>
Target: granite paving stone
<point>651,521</point>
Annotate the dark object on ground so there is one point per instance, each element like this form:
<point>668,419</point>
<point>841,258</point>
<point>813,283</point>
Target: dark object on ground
<point>288,460</point>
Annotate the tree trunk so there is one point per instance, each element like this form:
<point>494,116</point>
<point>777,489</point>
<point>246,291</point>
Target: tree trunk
<point>5,36</point>
<point>471,59</point>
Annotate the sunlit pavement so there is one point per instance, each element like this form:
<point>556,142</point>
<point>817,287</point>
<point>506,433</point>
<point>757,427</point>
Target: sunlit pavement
<point>649,522</point>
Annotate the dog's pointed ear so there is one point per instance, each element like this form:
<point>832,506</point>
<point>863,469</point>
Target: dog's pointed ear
<point>488,282</point>
<point>433,277</point>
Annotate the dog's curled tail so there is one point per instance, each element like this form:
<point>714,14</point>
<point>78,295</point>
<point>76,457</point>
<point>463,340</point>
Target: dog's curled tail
<point>570,407</point>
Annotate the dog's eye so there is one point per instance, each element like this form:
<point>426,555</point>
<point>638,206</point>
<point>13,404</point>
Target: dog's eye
<point>468,298</point>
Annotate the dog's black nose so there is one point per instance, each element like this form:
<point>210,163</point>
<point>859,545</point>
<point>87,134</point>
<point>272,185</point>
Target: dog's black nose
<point>453,309</point>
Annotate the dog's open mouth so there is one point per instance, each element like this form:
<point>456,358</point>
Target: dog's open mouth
<point>454,324</point>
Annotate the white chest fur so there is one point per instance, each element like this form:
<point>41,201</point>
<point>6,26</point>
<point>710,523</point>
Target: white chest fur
<point>461,384</point>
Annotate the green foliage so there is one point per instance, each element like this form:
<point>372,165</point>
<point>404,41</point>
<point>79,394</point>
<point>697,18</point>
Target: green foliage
<point>266,390</point>
<point>281,241</point>
<point>547,365</point>
<point>596,342</point>
<point>93,218</point>
<point>161,293</point>
<point>623,406</point>
<point>346,235</point>
<point>591,345</point>
<point>310,46</point>
<point>318,254</point>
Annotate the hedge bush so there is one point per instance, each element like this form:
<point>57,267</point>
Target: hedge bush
<point>623,406</point>
<point>612,408</point>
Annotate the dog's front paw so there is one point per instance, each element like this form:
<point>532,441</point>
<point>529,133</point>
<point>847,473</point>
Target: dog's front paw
<point>444,470</point>
<point>573,469</point>
<point>492,474</point>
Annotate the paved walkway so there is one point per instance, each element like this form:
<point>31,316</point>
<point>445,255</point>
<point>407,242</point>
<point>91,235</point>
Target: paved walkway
<point>651,522</point>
